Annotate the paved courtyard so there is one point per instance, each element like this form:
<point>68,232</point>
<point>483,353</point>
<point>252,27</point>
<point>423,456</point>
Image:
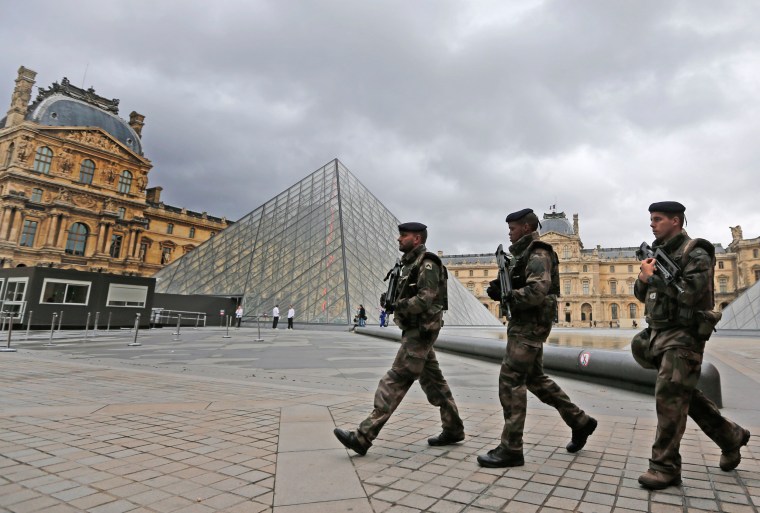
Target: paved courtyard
<point>202,423</point>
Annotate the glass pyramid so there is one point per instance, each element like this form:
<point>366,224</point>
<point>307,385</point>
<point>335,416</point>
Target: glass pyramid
<point>744,312</point>
<point>323,245</point>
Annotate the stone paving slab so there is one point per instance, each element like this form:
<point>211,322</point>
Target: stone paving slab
<point>102,435</point>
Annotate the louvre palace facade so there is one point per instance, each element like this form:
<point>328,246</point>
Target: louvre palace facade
<point>596,285</point>
<point>74,188</point>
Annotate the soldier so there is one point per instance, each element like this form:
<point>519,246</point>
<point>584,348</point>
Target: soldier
<point>419,314</point>
<point>679,324</point>
<point>535,281</point>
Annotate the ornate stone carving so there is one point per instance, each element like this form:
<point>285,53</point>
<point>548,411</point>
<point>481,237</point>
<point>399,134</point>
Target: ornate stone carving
<point>23,149</point>
<point>736,233</point>
<point>85,201</point>
<point>66,162</point>
<point>63,195</point>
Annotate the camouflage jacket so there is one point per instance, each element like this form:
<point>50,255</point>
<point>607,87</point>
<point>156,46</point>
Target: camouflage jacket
<point>421,292</point>
<point>533,308</point>
<point>670,314</point>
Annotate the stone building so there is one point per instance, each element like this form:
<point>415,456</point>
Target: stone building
<point>73,187</point>
<point>596,285</point>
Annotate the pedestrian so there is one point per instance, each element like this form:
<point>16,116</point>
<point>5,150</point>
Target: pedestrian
<point>362,316</point>
<point>418,311</point>
<point>382,316</point>
<point>275,316</point>
<point>534,275</point>
<point>239,314</point>
<point>291,314</point>
<point>679,323</point>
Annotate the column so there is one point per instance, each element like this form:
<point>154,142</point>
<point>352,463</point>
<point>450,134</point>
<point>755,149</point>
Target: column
<point>136,243</point>
<point>6,221</point>
<point>127,243</point>
<point>109,230</point>
<point>52,227</point>
<point>99,243</point>
<point>15,226</point>
<point>60,237</point>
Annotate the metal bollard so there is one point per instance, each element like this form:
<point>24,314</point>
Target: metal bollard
<point>179,322</point>
<point>137,328</point>
<point>258,326</point>
<point>52,330</point>
<point>108,327</point>
<point>8,348</point>
<point>95,327</point>
<point>197,317</point>
<point>87,326</point>
<point>228,328</point>
<point>60,321</point>
<point>29,324</point>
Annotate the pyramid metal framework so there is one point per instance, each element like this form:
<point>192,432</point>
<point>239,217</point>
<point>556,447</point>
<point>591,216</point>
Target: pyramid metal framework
<point>744,312</point>
<point>324,245</point>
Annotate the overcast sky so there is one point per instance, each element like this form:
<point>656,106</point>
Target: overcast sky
<point>452,113</point>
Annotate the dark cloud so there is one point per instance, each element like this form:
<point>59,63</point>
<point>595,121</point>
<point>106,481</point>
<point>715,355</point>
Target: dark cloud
<point>452,113</point>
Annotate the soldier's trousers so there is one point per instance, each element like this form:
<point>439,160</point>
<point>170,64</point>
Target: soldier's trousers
<point>521,370</point>
<point>676,397</point>
<point>415,360</point>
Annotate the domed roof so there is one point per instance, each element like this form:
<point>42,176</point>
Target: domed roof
<point>62,110</point>
<point>556,222</point>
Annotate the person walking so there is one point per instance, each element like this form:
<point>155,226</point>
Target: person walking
<point>362,316</point>
<point>680,320</point>
<point>239,315</point>
<point>418,311</point>
<point>291,314</point>
<point>535,284</point>
<point>275,316</point>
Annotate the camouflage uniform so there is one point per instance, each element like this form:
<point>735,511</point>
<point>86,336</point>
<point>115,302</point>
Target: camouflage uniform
<point>672,345</point>
<point>419,314</point>
<point>533,310</point>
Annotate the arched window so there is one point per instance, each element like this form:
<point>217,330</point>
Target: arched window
<point>125,182</point>
<point>633,311</point>
<point>43,159</point>
<point>77,239</point>
<point>614,311</point>
<point>86,171</point>
<point>586,312</point>
<point>9,155</point>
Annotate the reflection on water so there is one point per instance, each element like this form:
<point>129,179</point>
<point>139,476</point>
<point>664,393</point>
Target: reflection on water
<point>571,337</point>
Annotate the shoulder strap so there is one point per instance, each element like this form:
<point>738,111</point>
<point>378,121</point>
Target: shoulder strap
<point>696,243</point>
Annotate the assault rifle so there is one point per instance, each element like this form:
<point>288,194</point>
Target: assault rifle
<point>388,299</point>
<point>505,284</point>
<point>664,266</point>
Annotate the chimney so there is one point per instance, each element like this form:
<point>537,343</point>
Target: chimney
<point>440,253</point>
<point>575,224</point>
<point>137,122</point>
<point>22,94</point>
<point>153,195</point>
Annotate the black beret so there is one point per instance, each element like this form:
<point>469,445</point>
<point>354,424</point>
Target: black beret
<point>516,216</point>
<point>672,207</point>
<point>411,227</point>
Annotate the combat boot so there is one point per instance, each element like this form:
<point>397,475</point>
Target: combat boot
<point>580,435</point>
<point>501,457</point>
<point>445,438</point>
<point>729,460</point>
<point>656,480</point>
<point>350,441</point>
